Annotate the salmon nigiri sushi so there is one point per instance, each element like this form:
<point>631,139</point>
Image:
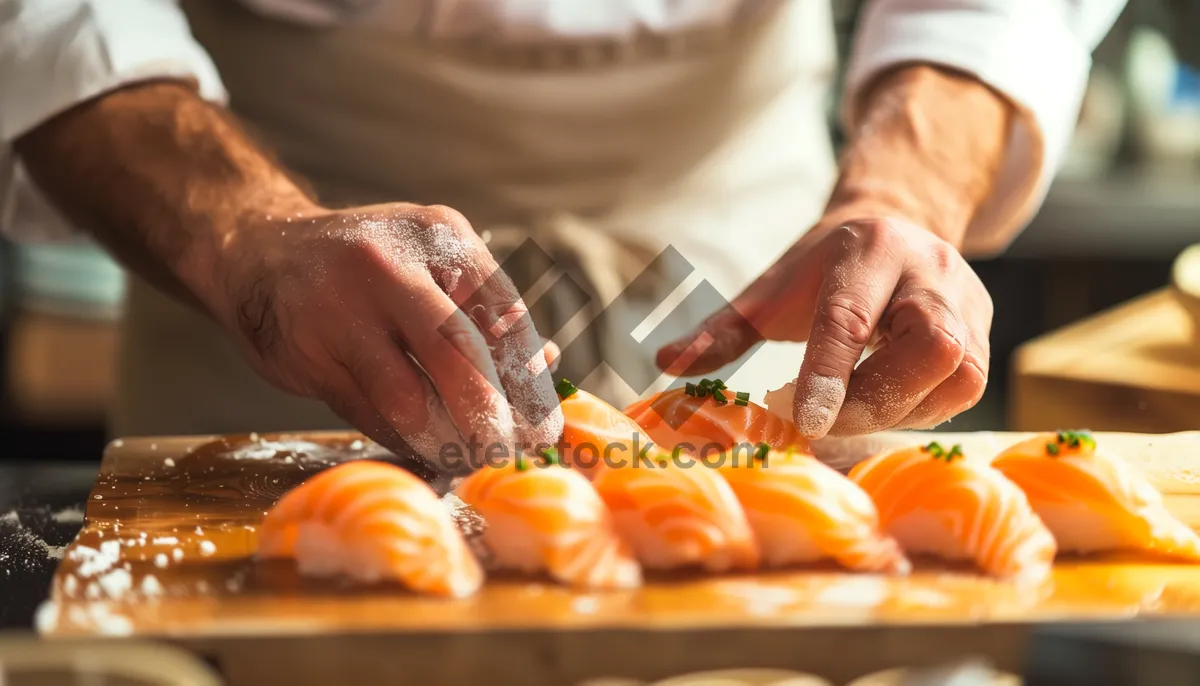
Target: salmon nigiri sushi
<point>371,521</point>
<point>1092,500</point>
<point>802,510</point>
<point>675,513</point>
<point>543,516</point>
<point>937,501</point>
<point>594,432</point>
<point>708,416</point>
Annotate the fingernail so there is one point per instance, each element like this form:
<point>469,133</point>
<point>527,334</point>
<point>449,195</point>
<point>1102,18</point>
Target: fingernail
<point>817,400</point>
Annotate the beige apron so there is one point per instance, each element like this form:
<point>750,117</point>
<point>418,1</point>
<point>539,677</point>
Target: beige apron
<point>604,154</point>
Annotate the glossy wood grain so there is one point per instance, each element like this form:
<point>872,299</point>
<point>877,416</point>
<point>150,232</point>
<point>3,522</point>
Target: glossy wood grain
<point>171,531</point>
<point>1135,367</point>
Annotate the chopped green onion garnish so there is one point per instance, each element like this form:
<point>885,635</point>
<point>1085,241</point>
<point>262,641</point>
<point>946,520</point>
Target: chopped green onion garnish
<point>549,455</point>
<point>935,449</point>
<point>956,451</point>
<point>760,452</point>
<point>690,389</point>
<point>1076,439</point>
<point>719,384</point>
<point>1052,448</point>
<point>565,389</point>
<point>742,399</point>
<point>521,466</point>
<point>719,396</point>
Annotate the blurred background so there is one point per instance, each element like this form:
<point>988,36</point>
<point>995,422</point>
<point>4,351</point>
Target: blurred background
<point>1124,208</point>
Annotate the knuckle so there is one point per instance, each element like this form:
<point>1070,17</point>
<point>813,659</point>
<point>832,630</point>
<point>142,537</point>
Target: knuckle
<point>442,214</point>
<point>944,257</point>
<point>975,370</point>
<point>871,234</point>
<point>458,334</point>
<point>970,382</point>
<point>931,322</point>
<point>849,319</point>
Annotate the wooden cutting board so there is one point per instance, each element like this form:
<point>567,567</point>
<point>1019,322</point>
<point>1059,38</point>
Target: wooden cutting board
<point>170,533</point>
<point>1135,367</point>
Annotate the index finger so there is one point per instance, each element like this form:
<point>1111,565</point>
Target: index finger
<point>855,291</point>
<point>492,302</point>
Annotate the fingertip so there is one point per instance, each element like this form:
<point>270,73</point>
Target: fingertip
<point>688,357</point>
<point>817,403</point>
<point>553,355</point>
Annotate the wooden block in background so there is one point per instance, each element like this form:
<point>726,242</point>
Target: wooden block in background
<point>60,369</point>
<point>1133,368</point>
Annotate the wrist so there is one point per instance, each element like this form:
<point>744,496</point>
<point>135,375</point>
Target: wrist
<point>241,245</point>
<point>928,148</point>
<point>867,198</point>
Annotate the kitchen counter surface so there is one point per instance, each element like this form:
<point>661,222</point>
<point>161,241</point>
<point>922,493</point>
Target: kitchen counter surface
<point>41,510</point>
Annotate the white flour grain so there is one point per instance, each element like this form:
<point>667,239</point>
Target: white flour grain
<point>151,587</point>
<point>819,408</point>
<point>116,583</point>
<point>23,545</point>
<point>68,516</point>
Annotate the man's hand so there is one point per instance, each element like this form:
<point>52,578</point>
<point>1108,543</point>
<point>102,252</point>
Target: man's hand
<point>397,316</point>
<point>881,281</point>
<point>882,267</point>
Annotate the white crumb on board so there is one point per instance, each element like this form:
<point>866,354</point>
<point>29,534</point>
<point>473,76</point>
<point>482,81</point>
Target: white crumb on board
<point>160,561</point>
<point>169,462</point>
<point>45,619</point>
<point>207,548</point>
<point>760,598</point>
<point>151,587</point>
<point>116,583</point>
<point>264,450</point>
<point>853,591</point>
<point>95,561</point>
<point>165,540</point>
<point>95,616</point>
<point>585,605</point>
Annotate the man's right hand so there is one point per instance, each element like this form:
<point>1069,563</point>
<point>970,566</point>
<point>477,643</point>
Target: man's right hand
<point>396,316</point>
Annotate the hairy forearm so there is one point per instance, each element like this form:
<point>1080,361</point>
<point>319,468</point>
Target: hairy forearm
<point>928,146</point>
<point>161,178</point>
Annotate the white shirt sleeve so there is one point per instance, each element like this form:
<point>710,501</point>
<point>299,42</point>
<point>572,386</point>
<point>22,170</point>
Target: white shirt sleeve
<point>1035,52</point>
<point>55,54</point>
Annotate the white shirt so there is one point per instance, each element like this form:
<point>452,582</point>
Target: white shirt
<point>57,53</point>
